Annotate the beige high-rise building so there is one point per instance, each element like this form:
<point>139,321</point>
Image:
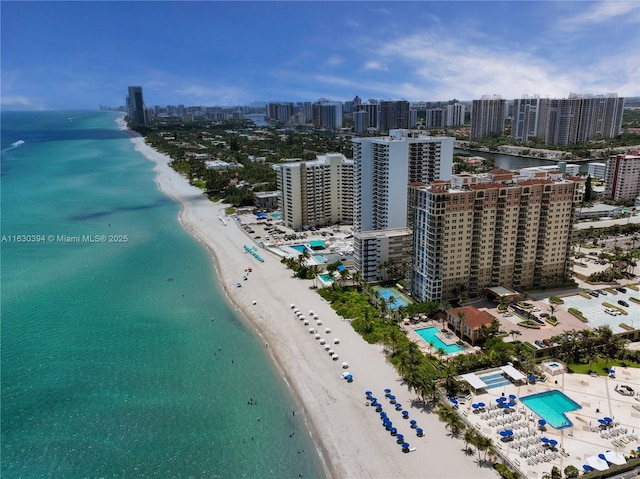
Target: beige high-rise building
<point>478,231</point>
<point>623,177</point>
<point>316,193</point>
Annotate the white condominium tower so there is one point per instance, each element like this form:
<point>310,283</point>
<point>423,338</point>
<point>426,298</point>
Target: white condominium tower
<point>488,116</point>
<point>383,168</point>
<point>567,121</point>
<point>316,193</point>
<point>478,231</point>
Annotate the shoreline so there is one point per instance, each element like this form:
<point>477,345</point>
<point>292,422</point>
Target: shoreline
<point>347,435</point>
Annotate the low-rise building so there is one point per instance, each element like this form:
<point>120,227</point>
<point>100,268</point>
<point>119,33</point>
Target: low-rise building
<point>470,323</point>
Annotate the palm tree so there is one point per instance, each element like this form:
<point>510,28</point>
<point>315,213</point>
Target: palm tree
<point>344,275</point>
<point>514,333</point>
<point>443,307</point>
<point>461,316</point>
<point>314,271</point>
<point>469,438</point>
<point>450,418</point>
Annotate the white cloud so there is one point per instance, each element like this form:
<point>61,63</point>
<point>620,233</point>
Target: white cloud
<point>443,69</point>
<point>21,103</point>
<point>212,95</point>
<point>604,11</point>
<point>375,65</point>
<point>334,60</point>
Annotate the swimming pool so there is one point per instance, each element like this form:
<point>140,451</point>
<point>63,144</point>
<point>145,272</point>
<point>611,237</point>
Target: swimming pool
<point>551,406</point>
<point>326,278</point>
<point>320,259</point>
<point>276,216</point>
<point>429,335</point>
<point>299,247</point>
<point>495,380</point>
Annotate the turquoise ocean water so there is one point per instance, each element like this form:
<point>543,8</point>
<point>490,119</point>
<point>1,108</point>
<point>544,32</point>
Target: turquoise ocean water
<point>111,363</point>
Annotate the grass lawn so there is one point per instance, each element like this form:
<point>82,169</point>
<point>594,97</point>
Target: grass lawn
<point>601,366</point>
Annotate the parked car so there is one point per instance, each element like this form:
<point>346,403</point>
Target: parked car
<point>544,315</point>
<point>540,344</point>
<point>623,303</point>
<point>547,342</point>
<point>594,294</point>
<point>622,290</point>
<point>603,292</point>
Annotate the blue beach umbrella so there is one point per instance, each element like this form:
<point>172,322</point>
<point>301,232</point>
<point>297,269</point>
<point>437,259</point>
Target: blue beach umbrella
<point>405,414</point>
<point>511,404</point>
<point>481,405</point>
<point>542,422</point>
<point>475,406</point>
<point>553,442</point>
<point>512,396</point>
<point>405,447</point>
<point>501,400</point>
<point>373,400</point>
<point>392,399</point>
<point>545,440</point>
<point>368,394</point>
<point>587,468</point>
<point>503,433</point>
<point>413,423</point>
<point>602,422</point>
<point>349,377</point>
<point>393,431</point>
<point>387,392</point>
<point>400,438</point>
<point>607,419</point>
<point>383,414</point>
<point>454,401</point>
<point>398,406</point>
<point>419,432</point>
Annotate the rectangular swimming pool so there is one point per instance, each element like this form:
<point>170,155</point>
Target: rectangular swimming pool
<point>429,335</point>
<point>495,380</point>
<point>298,247</point>
<point>551,406</point>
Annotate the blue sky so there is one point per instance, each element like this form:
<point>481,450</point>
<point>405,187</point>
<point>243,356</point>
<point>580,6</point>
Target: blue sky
<point>57,55</point>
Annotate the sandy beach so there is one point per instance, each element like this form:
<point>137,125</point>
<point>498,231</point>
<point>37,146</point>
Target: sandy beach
<point>348,433</point>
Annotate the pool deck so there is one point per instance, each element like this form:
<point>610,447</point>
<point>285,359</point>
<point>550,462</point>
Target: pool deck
<point>424,345</point>
<point>575,443</point>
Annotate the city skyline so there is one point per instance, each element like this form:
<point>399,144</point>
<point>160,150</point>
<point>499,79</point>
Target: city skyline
<point>83,54</point>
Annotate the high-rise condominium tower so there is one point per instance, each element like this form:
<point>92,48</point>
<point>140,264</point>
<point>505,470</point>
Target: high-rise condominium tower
<point>135,105</point>
<point>383,167</point>
<point>316,193</point>
<point>474,232</point>
<point>487,116</point>
<point>623,177</point>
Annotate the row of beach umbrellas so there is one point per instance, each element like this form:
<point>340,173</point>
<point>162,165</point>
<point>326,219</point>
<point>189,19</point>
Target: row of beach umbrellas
<point>332,354</point>
<point>253,253</point>
<point>388,424</point>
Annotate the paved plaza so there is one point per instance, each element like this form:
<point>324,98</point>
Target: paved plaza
<point>597,397</point>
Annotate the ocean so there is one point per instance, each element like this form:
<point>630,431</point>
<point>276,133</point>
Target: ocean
<point>120,356</point>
